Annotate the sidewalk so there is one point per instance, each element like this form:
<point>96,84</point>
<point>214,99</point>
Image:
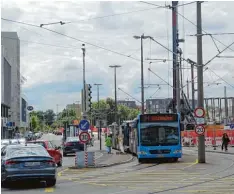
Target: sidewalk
<point>214,150</point>
<point>103,159</point>
<point>113,159</point>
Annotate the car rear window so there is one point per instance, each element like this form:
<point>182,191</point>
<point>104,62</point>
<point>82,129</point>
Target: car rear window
<point>73,139</point>
<point>25,152</point>
<point>38,142</point>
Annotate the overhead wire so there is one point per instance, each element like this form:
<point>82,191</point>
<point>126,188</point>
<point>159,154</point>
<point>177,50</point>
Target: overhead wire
<point>102,17</point>
<point>169,7</point>
<point>73,38</point>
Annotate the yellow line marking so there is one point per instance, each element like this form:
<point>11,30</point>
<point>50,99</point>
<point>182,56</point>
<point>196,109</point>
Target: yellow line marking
<point>49,190</point>
<point>60,172</point>
<point>196,162</point>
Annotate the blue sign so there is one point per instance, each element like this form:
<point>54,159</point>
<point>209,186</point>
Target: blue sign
<point>84,125</point>
<point>232,126</point>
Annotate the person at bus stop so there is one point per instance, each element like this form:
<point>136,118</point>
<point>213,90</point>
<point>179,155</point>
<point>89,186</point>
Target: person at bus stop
<point>225,141</point>
<point>108,143</point>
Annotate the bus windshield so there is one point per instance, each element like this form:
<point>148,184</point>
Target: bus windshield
<point>155,134</point>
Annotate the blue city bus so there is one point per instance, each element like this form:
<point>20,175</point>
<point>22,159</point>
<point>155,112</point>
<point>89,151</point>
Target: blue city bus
<point>158,136</point>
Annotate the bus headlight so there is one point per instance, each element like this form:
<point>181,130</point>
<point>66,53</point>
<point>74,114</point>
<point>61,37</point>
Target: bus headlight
<point>177,151</point>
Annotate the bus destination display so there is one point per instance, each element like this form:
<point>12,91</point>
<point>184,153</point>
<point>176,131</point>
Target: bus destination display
<point>159,118</point>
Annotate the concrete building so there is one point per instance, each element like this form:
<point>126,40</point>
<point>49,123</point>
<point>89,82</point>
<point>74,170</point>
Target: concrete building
<point>11,43</point>
<point>5,92</point>
<point>76,108</point>
<point>24,119</point>
<point>130,104</point>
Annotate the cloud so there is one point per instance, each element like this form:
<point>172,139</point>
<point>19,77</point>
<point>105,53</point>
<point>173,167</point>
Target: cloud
<point>54,74</point>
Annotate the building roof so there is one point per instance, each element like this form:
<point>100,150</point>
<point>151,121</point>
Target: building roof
<point>12,35</point>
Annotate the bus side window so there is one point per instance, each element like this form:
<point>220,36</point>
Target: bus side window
<point>137,130</point>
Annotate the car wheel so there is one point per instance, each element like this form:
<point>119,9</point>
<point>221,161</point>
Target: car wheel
<point>60,163</point>
<point>51,182</point>
<point>64,154</point>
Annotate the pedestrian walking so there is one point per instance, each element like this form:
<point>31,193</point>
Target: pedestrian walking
<point>225,141</point>
<point>108,142</point>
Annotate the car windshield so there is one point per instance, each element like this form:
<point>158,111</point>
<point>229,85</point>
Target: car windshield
<point>26,152</point>
<point>73,139</point>
<point>155,134</point>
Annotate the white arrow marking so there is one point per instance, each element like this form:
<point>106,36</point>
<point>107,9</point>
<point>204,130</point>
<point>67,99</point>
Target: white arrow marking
<point>82,126</point>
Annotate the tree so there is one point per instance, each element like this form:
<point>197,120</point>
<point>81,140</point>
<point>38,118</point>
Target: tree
<point>34,122</point>
<point>49,117</point>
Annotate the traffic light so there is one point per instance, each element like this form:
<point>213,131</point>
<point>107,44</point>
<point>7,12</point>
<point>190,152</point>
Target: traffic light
<point>190,127</point>
<point>88,90</point>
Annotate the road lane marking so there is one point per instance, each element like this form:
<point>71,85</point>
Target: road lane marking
<point>60,172</point>
<point>195,163</point>
<point>49,190</point>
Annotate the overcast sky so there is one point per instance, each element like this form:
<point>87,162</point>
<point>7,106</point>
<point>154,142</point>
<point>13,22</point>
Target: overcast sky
<point>52,64</point>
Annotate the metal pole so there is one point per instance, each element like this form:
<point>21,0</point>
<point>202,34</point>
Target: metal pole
<point>175,42</point>
<point>115,95</point>
<point>84,89</point>
<point>142,78</point>
<point>116,107</point>
<point>188,89</point>
<point>100,123</point>
<point>200,94</point>
<point>226,105</point>
<point>98,110</point>
<point>193,89</point>
<point>178,85</point>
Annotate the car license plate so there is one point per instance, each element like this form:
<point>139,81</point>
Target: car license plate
<point>160,155</point>
<point>32,164</point>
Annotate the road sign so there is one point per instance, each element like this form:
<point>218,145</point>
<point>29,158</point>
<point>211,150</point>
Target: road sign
<point>199,129</point>
<point>84,125</point>
<point>199,112</point>
<point>232,126</point>
<point>200,121</point>
<point>84,137</point>
<point>30,108</point>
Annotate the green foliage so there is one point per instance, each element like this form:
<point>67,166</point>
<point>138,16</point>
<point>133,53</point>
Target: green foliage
<point>34,122</point>
<point>108,106</point>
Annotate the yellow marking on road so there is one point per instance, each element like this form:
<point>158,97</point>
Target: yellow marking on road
<point>60,172</point>
<point>49,190</point>
<point>98,184</point>
<point>195,163</point>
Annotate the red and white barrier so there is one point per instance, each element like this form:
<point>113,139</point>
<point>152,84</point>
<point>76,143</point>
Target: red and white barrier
<point>212,138</point>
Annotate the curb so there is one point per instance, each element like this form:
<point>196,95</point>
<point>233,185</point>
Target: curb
<point>106,165</point>
<point>228,153</point>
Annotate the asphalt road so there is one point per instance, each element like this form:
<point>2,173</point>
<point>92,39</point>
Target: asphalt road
<point>186,176</point>
<point>70,159</point>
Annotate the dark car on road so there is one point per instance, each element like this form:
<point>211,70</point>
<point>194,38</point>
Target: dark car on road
<point>72,145</point>
<point>27,162</point>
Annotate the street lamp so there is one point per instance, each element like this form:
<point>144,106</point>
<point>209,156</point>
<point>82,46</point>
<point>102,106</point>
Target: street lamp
<point>116,108</point>
<point>100,129</point>
<point>84,91</point>
<point>142,70</point>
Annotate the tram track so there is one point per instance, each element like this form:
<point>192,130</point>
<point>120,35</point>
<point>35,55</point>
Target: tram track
<point>202,176</point>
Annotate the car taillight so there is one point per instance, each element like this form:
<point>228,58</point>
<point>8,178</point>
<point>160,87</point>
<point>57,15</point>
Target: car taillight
<point>68,144</point>
<point>51,162</point>
<point>10,162</point>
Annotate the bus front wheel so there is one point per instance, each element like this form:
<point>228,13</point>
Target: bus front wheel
<point>140,160</point>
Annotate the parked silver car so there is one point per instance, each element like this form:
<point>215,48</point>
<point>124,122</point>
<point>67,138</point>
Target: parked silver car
<point>27,162</point>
